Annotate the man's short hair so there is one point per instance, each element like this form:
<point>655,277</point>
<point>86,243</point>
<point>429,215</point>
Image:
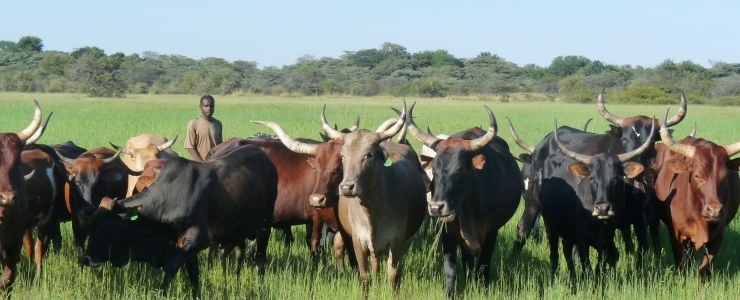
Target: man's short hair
<point>207,97</point>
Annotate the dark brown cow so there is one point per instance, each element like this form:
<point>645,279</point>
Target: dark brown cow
<point>296,179</point>
<point>95,174</point>
<point>381,203</point>
<point>697,191</point>
<point>42,189</point>
<point>326,166</point>
<point>13,199</point>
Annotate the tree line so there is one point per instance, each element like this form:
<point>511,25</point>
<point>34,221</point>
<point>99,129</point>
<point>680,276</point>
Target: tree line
<point>388,70</point>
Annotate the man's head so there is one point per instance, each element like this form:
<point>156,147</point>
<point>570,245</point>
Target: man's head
<point>207,106</point>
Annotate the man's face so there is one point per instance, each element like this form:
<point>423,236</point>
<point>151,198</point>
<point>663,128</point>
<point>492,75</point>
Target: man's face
<point>207,107</point>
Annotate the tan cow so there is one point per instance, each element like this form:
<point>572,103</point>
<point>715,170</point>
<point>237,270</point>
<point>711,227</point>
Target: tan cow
<point>381,202</point>
<point>141,149</point>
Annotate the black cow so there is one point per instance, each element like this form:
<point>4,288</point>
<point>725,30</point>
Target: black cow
<point>476,189</point>
<point>224,200</point>
<point>583,199</point>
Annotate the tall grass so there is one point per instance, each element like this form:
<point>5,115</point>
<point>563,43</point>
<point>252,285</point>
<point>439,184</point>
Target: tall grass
<point>92,122</point>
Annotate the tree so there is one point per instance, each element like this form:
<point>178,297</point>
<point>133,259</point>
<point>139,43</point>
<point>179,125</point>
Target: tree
<point>8,46</point>
<point>563,66</point>
<point>30,43</point>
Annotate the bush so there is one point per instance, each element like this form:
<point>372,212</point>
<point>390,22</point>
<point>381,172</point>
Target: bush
<point>575,89</point>
<point>643,94</point>
<point>726,101</point>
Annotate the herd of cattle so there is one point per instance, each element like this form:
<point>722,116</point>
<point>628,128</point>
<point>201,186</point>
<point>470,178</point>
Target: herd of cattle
<point>373,191</point>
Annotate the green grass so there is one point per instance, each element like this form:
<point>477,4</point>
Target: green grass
<point>93,122</point>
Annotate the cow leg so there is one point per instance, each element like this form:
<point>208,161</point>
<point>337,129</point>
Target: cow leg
<point>191,266</point>
<point>552,240</point>
<point>484,260</point>
<point>315,232</point>
<point>288,236</point>
<point>339,252</point>
<point>362,253</point>
<point>12,256</point>
<point>240,249</point>
<point>569,252</point>
<point>80,235</point>
<point>582,248</point>
<point>374,264</point>
<point>531,212</point>
<point>54,236</point>
<point>655,236</point>
<point>27,242</point>
<point>263,236</point>
<point>679,255</point>
<point>393,269</point>
<point>40,247</point>
<point>642,237</point>
<point>449,248</point>
<point>626,231</point>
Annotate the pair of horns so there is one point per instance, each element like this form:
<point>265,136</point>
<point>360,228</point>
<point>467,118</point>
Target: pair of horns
<point>428,139</point>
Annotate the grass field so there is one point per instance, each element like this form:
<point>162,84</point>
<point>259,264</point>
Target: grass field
<point>92,122</point>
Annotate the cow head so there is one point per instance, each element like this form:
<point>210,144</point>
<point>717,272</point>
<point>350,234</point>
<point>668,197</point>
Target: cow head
<point>94,176</point>
<point>362,156</point>
<point>634,130</point>
<point>111,233</point>
<point>325,162</point>
<point>706,166</point>
<point>12,183</point>
<point>603,173</point>
<point>453,167</point>
<point>140,156</point>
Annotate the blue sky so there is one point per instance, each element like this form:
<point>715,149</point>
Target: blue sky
<point>276,33</point>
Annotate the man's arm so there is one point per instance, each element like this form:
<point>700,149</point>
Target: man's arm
<point>194,155</point>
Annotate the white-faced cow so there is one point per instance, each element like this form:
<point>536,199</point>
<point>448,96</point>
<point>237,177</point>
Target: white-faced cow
<point>141,149</point>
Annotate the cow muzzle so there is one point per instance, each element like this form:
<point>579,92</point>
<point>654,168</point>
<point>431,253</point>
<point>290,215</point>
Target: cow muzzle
<point>603,211</point>
<point>348,189</point>
<point>7,198</point>
<point>712,212</point>
<point>440,210</point>
<point>317,200</point>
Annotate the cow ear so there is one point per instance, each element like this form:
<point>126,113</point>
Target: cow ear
<point>678,165</point>
<point>525,158</point>
<point>578,170</point>
<point>632,169</point>
<point>734,164</point>
<point>478,161</point>
<point>70,168</point>
<point>157,169</point>
<point>425,158</point>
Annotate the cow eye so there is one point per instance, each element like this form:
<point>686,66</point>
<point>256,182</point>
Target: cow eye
<point>593,180</point>
<point>368,156</point>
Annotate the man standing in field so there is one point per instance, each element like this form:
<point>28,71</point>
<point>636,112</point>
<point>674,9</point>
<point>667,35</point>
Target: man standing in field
<point>204,132</point>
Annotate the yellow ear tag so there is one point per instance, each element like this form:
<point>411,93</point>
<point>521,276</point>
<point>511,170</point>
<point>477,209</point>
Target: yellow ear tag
<point>388,162</point>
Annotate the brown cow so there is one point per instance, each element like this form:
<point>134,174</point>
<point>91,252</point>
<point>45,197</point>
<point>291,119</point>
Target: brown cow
<point>697,191</point>
<point>141,149</point>
<point>13,198</point>
<point>381,203</point>
<point>95,174</point>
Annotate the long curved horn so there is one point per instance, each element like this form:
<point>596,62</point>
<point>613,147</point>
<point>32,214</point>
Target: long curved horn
<point>356,126</point>
<point>40,131</point>
<point>681,113</point>
<point>425,138</point>
<point>25,134</point>
<point>396,127</point>
<point>732,149</point>
<point>665,136</point>
<point>293,145</point>
<point>330,132</point>
<point>585,126</point>
<point>387,124</point>
<point>586,159</point>
<point>126,150</point>
<point>64,158</point>
<point>517,140</point>
<point>629,155</point>
<point>112,158</point>
<point>29,175</point>
<point>614,119</point>
<point>693,132</point>
<point>401,136</point>
<point>488,137</point>
<point>168,144</point>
